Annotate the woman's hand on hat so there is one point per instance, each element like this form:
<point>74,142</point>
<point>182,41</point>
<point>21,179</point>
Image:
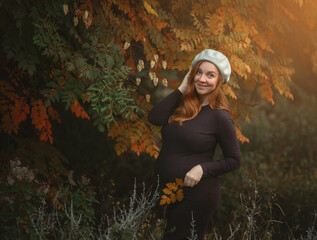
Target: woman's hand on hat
<point>193,176</point>
<point>184,85</point>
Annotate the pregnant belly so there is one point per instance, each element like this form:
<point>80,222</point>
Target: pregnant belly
<point>170,167</point>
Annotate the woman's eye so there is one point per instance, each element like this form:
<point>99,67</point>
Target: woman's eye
<point>210,75</point>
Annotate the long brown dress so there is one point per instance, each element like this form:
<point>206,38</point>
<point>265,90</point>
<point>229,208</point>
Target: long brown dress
<point>186,146</point>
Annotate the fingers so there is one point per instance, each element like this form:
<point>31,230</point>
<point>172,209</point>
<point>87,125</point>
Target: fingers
<point>189,182</point>
<point>193,176</point>
<point>188,73</point>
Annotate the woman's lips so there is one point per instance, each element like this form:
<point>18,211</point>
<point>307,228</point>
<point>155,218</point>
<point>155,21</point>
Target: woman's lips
<point>202,86</point>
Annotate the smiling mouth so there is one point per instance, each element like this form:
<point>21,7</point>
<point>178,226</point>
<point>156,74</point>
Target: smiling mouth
<point>201,86</point>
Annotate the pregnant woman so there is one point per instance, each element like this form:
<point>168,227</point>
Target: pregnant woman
<point>194,118</point>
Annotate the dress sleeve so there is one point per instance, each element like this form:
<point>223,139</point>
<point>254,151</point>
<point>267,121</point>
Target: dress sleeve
<point>228,141</point>
<point>161,112</point>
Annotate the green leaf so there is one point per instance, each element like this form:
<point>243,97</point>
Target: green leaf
<point>110,60</point>
<point>69,66</point>
<point>80,62</point>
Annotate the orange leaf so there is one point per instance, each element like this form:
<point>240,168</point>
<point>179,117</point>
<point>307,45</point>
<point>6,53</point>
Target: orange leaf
<point>180,182</point>
<point>8,124</point>
<point>172,186</point>
<point>138,147</point>
<point>40,120</point>
<point>19,111</point>
<point>53,114</point>
<point>173,197</point>
<point>164,197</point>
<point>163,201</point>
<point>167,191</point>
<point>179,195</point>
<point>240,136</point>
<point>79,110</point>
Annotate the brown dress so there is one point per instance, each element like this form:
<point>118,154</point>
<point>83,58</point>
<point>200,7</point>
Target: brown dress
<point>186,146</point>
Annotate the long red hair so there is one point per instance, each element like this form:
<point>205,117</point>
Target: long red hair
<point>190,105</point>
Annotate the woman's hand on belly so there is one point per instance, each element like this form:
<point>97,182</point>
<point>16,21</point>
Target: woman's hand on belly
<point>193,176</point>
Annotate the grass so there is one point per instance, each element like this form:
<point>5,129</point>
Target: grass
<point>138,222</point>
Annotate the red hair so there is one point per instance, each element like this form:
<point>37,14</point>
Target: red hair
<point>190,105</point>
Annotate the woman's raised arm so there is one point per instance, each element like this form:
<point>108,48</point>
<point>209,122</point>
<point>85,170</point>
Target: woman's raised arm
<point>161,112</point>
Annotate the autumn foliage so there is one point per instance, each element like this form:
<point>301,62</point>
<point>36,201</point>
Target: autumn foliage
<point>173,192</point>
<point>99,58</point>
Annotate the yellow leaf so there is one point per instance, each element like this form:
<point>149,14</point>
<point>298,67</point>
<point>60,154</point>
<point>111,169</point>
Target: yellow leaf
<point>228,91</point>
<point>164,64</point>
<point>164,81</point>
<point>149,9</point>
<point>240,136</point>
<point>65,9</point>
<point>155,81</point>
<point>152,64</point>
<point>148,97</point>
<point>75,21</point>
<point>248,68</point>
<point>247,40</point>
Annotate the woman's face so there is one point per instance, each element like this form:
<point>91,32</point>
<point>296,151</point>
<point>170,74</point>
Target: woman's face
<point>206,78</point>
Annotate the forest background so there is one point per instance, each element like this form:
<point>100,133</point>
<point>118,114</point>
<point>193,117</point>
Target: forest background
<point>79,77</point>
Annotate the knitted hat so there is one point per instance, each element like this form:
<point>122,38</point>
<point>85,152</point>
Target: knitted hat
<point>217,58</point>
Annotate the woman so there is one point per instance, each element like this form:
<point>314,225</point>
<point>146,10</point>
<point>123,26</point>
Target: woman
<point>195,117</point>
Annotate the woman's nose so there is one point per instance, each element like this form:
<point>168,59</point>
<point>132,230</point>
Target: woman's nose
<point>202,78</point>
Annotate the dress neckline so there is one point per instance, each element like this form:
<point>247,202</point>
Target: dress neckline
<point>204,107</point>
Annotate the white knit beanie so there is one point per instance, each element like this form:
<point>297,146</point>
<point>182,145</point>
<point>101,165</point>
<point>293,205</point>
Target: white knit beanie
<point>217,58</point>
